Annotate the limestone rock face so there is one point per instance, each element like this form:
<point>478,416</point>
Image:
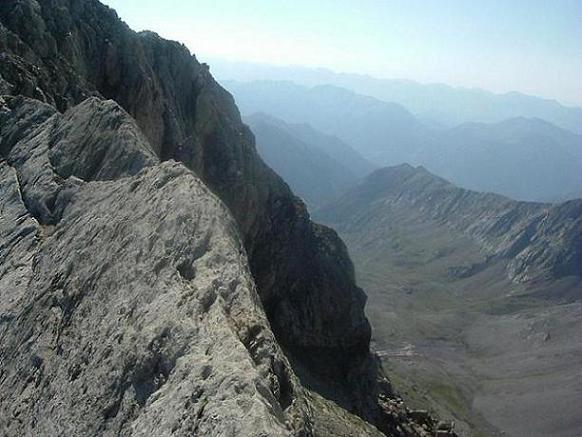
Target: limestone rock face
<point>157,277</point>
<point>142,319</point>
<point>19,234</point>
<point>63,51</point>
<point>128,307</point>
<point>94,141</point>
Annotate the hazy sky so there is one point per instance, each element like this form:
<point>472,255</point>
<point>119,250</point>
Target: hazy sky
<point>532,46</point>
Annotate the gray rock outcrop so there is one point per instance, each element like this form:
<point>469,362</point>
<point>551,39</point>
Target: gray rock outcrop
<point>157,278</point>
<point>128,306</point>
<point>64,51</point>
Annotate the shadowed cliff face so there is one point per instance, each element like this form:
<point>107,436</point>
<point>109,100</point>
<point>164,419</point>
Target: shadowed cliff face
<point>61,52</point>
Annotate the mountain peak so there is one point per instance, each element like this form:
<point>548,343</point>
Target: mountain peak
<point>541,241</point>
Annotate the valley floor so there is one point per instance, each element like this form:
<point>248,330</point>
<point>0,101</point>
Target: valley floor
<point>495,357</point>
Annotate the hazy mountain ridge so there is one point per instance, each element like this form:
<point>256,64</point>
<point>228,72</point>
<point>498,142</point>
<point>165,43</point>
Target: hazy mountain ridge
<point>316,166</point>
<point>334,147</point>
<point>527,159</point>
<point>364,123</point>
<point>436,104</point>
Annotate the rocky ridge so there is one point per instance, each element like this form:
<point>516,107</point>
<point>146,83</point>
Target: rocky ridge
<point>62,52</point>
<point>130,296</point>
<point>540,241</point>
<point>158,342</point>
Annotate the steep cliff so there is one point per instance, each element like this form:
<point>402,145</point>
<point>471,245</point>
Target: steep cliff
<point>63,51</point>
<point>131,302</point>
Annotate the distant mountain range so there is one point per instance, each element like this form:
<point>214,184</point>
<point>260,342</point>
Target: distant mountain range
<point>526,159</point>
<point>382,132</point>
<point>317,167</point>
<point>435,104</point>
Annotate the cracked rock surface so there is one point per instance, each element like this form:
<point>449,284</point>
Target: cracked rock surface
<point>128,306</point>
<point>63,52</point>
<point>156,277</point>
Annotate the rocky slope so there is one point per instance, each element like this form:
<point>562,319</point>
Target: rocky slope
<point>132,310</point>
<point>475,299</point>
<point>541,241</point>
<point>130,297</point>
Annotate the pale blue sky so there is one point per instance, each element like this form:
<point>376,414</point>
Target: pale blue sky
<point>532,46</point>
